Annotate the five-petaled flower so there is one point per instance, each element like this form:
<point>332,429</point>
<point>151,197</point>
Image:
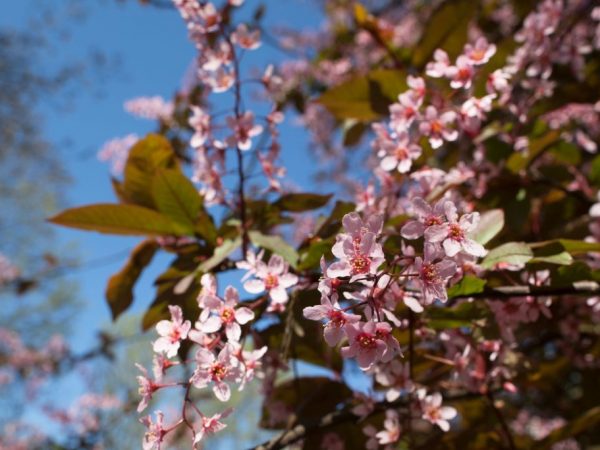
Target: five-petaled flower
<point>171,332</point>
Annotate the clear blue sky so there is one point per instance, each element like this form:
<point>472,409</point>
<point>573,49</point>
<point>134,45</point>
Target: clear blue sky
<point>154,52</point>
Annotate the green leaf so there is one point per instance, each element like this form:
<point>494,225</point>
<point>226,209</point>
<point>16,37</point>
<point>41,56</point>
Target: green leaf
<point>469,285</point>
<point>520,160</point>
<point>551,253</point>
<point>221,252</point>
<point>594,173</point>
<point>353,131</point>
<point>589,420</point>
<point>119,219</point>
<point>119,291</point>
<point>176,197</point>
<point>446,28</point>
<point>310,256</point>
<point>365,97</point>
<point>509,253</point>
<point>302,202</point>
<point>145,158</point>
<point>275,244</point>
<point>490,224</point>
<point>332,224</point>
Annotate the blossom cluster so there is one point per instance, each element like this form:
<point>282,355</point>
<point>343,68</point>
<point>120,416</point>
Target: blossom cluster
<point>220,360</point>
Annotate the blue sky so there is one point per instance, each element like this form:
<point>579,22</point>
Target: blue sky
<point>154,52</point>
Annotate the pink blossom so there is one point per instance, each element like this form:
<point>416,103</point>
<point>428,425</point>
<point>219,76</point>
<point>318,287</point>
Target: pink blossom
<point>433,275</point>
<point>171,332</point>
<point>454,234</point>
<point>273,278</point>
<point>365,345</point>
<point>481,52</point>
<point>153,438</point>
<point>152,108</point>
<point>370,431</point>
<point>461,75</point>
<point>211,17</point>
<point>249,40</point>
<point>147,388</point>
<point>244,129</point>
<point>433,411</point>
<point>426,217</point>
<point>8,271</point>
<point>226,314</point>
<point>392,429</point>
<point>357,249</point>
<point>437,128</point>
<point>200,122</point>
<point>251,263</point>
<point>336,319</point>
<point>438,67</point>
<point>220,80</point>
<point>216,370</point>
<point>211,425</point>
<point>251,360</point>
<point>396,377</point>
<point>116,151</point>
<point>405,111</point>
<point>400,154</point>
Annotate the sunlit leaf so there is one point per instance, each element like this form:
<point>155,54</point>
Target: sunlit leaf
<point>119,291</point>
<point>119,219</point>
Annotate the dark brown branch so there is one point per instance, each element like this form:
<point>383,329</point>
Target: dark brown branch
<point>505,430</point>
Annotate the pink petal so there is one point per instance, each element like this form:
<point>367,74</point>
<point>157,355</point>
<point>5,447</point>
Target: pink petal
<point>244,315</point>
<point>254,286</point>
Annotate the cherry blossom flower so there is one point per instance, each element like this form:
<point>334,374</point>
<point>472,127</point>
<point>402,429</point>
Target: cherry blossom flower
<point>336,319</point>
<point>396,377</point>
<point>152,108</point>
<point>481,52</point>
<point>226,315</point>
<point>211,17</point>
<point>433,275</point>
<point>454,234</point>
<point>251,263</point>
<point>371,432</point>
<point>116,151</point>
<point>171,332</point>
<point>249,40</point>
<point>426,217</point>
<point>436,126</point>
<point>211,425</point>
<point>365,345</point>
<point>153,438</point>
<point>392,429</point>
<point>438,67</point>
<point>357,249</point>
<point>147,388</point>
<point>433,411</point>
<point>200,122</point>
<point>220,80</point>
<point>244,129</point>
<point>216,370</point>
<point>405,111</point>
<point>461,75</point>
<point>251,360</point>
<point>400,154</point>
<point>273,278</point>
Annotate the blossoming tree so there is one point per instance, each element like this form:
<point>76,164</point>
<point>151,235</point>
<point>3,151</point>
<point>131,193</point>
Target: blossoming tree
<point>450,294</point>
